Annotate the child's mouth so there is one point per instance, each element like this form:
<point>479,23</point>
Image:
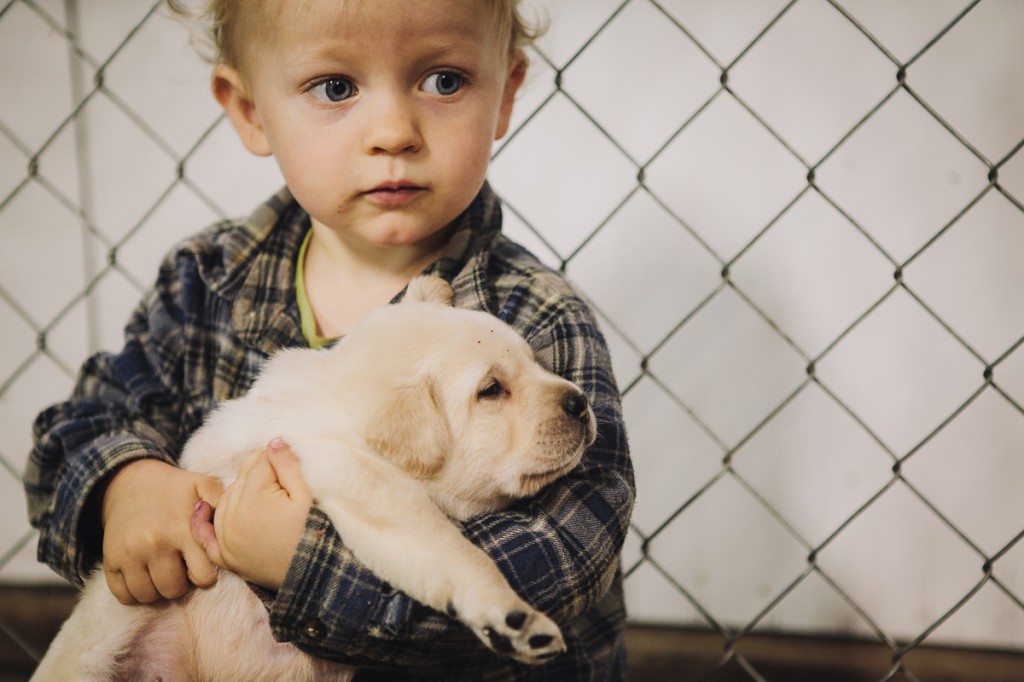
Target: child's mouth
<point>394,194</point>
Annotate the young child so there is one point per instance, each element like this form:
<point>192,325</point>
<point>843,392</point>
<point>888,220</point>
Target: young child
<point>381,115</point>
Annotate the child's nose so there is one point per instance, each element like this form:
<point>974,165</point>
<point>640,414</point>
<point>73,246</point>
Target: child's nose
<point>392,126</point>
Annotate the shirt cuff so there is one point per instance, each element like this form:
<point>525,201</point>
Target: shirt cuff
<point>327,599</point>
<point>80,491</point>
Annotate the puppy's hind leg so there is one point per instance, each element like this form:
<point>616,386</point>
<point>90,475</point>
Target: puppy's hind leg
<point>93,638</point>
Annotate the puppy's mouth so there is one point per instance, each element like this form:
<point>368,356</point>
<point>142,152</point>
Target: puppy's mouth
<point>542,477</point>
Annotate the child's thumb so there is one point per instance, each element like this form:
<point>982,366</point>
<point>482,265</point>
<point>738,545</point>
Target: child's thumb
<point>202,558</point>
<point>209,489</point>
<point>288,468</point>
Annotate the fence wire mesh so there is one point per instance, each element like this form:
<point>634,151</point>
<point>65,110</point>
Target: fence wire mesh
<point>735,410</point>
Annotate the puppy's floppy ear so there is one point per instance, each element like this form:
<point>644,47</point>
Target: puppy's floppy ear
<point>411,430</point>
<point>429,289</point>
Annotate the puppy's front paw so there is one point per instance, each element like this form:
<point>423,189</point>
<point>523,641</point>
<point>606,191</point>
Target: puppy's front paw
<point>521,632</point>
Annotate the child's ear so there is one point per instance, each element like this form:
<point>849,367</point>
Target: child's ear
<point>230,91</point>
<point>516,73</point>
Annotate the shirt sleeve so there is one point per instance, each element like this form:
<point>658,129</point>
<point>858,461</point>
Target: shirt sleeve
<point>559,550</point>
<point>124,407</point>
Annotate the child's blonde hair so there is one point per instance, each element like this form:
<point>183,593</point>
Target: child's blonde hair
<point>220,24</point>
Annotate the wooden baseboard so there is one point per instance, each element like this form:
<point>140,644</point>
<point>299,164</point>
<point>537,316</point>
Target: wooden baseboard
<point>661,654</point>
<point>30,616</point>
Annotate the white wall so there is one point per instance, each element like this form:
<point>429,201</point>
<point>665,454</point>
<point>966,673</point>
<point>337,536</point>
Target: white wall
<point>746,463</point>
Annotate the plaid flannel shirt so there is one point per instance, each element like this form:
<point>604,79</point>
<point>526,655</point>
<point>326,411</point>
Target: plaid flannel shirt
<point>222,302</point>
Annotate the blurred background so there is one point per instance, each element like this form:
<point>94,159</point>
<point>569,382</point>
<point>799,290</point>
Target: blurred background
<point>801,223</point>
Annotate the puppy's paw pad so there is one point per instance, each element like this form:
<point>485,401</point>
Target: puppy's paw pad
<point>540,641</point>
<point>499,642</point>
<point>516,620</point>
<point>529,637</point>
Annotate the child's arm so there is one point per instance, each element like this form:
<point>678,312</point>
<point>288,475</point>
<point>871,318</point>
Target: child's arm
<point>80,445</point>
<point>123,424</point>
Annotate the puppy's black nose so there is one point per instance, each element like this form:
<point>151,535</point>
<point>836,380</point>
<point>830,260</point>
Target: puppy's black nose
<point>575,405</point>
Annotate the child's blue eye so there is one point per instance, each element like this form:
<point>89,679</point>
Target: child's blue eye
<point>333,90</point>
<point>443,83</point>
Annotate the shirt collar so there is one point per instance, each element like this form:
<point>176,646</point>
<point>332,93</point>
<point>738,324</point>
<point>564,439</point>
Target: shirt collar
<point>264,313</point>
<point>465,259</point>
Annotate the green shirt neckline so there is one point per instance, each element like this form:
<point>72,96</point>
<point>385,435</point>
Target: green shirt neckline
<point>307,320</point>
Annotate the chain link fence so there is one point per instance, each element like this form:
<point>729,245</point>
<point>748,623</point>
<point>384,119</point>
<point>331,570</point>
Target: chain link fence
<point>802,225</point>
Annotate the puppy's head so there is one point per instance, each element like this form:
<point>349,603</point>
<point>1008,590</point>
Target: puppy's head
<point>464,405</point>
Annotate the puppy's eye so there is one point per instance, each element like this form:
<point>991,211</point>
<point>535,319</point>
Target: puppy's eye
<point>492,389</point>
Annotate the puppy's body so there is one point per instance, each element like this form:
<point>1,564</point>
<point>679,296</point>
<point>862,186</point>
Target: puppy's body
<point>423,413</point>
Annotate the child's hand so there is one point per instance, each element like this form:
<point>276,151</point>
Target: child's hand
<point>260,518</point>
<point>148,549</point>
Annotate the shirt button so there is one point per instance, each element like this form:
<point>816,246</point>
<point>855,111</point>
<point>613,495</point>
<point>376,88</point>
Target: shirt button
<point>314,629</point>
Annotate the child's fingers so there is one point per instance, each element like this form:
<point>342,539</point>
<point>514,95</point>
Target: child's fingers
<point>140,586</point>
<point>117,586</point>
<point>287,469</point>
<point>168,577</point>
<point>201,570</point>
<point>251,465</point>
<point>205,536</point>
<point>210,490</point>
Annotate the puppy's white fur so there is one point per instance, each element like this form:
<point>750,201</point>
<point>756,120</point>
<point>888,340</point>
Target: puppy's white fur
<point>423,413</point>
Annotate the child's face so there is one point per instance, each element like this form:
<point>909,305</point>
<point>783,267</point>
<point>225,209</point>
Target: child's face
<point>380,113</point>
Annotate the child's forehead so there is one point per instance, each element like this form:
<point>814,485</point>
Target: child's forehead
<point>302,33</point>
<point>480,19</point>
